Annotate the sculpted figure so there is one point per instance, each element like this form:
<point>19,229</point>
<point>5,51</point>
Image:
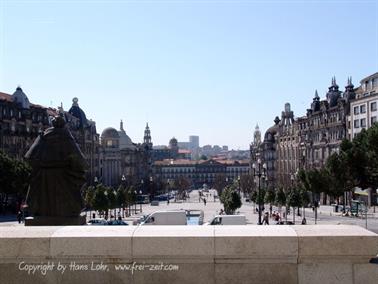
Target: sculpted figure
<point>58,173</point>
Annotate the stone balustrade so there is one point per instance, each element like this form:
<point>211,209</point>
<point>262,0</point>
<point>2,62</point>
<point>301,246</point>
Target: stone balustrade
<point>188,254</point>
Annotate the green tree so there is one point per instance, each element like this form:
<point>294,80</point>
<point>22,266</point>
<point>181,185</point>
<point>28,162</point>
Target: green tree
<point>88,196</point>
<point>14,178</point>
<point>294,200</point>
<point>230,199</point>
<point>182,184</point>
<point>247,184</point>
<point>100,200</point>
<point>280,199</point>
<point>220,183</point>
<point>270,195</point>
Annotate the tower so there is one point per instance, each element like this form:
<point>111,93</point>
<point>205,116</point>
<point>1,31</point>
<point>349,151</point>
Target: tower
<point>147,136</point>
<point>257,136</point>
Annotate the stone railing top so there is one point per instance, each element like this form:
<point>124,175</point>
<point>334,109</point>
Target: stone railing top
<point>278,243</point>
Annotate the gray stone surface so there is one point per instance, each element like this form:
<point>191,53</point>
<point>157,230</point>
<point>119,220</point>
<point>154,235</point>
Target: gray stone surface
<point>201,254</point>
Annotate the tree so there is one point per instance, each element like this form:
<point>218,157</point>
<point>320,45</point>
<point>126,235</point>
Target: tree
<point>280,199</point>
<point>339,177</point>
<point>203,157</point>
<point>220,183</point>
<point>182,185</point>
<point>230,199</point>
<point>100,200</point>
<point>88,196</point>
<point>294,200</point>
<point>14,178</point>
<point>121,197</point>
<point>247,184</point>
<point>270,196</point>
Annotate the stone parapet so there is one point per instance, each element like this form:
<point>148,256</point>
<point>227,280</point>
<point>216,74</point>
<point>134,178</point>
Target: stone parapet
<point>188,254</point>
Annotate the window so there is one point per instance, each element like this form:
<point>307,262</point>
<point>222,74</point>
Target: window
<point>363,122</point>
<point>373,106</point>
<point>356,110</point>
<point>373,119</point>
<point>363,108</point>
<point>356,123</point>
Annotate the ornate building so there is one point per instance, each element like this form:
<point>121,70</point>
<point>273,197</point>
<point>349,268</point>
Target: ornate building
<point>123,158</point>
<point>304,142</point>
<point>22,121</point>
<point>199,172</point>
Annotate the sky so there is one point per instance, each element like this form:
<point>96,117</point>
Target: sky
<point>209,68</point>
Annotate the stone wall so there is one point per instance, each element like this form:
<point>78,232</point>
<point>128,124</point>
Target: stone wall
<point>188,254</point>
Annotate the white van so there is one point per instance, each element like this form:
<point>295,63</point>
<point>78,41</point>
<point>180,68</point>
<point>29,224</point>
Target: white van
<point>173,217</point>
<point>227,220</point>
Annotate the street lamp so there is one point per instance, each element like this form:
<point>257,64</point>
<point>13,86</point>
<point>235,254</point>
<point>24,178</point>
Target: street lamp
<point>239,184</point>
<point>168,186</point>
<point>135,201</point>
<point>140,200</point>
<point>151,189</point>
<point>259,172</point>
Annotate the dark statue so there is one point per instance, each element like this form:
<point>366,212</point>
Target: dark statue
<point>58,173</point>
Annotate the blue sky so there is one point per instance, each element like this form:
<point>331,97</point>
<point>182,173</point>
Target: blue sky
<point>207,68</point>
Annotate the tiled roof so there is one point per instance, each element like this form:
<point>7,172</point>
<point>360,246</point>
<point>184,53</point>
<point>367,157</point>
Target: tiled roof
<point>5,97</point>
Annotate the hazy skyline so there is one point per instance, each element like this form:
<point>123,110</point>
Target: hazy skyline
<point>207,68</point>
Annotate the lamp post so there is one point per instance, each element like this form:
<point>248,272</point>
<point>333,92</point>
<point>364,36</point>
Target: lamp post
<point>239,184</point>
<point>168,186</point>
<point>135,201</point>
<point>259,172</point>
<point>123,181</point>
<point>140,200</point>
<point>151,187</point>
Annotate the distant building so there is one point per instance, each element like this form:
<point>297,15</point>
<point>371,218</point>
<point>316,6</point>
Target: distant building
<point>199,172</point>
<point>123,158</point>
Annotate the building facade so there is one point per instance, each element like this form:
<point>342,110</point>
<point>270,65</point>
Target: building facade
<point>363,109</point>
<point>305,142</point>
<point>125,161</point>
<point>199,172</point>
<point>21,122</point>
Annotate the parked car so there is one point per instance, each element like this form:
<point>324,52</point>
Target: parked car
<point>97,221</point>
<point>117,222</point>
<point>228,220</point>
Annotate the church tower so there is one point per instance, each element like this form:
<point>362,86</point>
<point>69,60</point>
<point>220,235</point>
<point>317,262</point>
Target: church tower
<point>147,136</point>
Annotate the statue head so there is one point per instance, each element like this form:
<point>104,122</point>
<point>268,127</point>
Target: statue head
<point>58,122</point>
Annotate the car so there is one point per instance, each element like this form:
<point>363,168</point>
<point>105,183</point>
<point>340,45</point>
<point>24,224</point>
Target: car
<point>97,222</point>
<point>117,223</point>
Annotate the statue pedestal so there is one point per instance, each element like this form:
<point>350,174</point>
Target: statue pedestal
<point>55,221</point>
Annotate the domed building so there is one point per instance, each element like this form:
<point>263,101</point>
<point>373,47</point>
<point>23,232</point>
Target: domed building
<point>121,158</point>
<point>20,98</point>
<point>77,112</point>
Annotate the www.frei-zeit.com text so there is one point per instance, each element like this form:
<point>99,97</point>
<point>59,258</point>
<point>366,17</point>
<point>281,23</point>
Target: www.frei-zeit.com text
<point>44,268</point>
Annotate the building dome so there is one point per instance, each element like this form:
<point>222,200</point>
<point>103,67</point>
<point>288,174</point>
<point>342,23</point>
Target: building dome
<point>77,112</point>
<point>173,143</point>
<point>20,98</point>
<point>110,133</point>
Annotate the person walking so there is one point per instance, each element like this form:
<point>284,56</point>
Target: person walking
<point>19,217</point>
<point>266,219</point>
<point>204,201</point>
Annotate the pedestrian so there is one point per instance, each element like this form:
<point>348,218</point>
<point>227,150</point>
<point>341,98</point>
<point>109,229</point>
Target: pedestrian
<point>266,219</point>
<point>19,217</point>
<point>93,215</point>
<point>221,212</point>
<point>204,201</point>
